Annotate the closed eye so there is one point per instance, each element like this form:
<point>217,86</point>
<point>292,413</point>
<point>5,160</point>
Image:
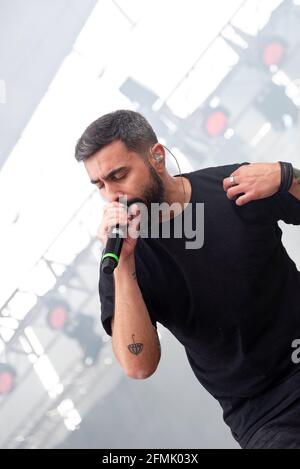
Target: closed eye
<point>113,178</point>
<point>116,178</point>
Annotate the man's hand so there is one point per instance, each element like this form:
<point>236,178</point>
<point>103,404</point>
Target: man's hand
<point>115,212</point>
<point>253,181</point>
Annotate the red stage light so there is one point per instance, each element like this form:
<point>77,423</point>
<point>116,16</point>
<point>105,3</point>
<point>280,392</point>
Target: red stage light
<point>273,53</point>
<point>7,379</point>
<point>57,317</point>
<point>216,123</point>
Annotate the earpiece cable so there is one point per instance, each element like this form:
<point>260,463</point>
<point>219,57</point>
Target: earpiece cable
<point>178,168</point>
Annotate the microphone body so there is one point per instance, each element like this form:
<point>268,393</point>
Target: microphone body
<point>112,251</point>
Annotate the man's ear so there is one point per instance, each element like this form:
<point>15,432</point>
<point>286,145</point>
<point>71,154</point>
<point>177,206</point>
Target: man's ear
<point>157,154</point>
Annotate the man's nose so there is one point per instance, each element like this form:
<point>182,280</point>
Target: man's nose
<point>115,197</point>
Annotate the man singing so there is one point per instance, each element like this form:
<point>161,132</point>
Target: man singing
<point>233,301</point>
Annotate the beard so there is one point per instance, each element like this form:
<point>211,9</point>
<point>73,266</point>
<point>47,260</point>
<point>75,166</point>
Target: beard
<point>154,193</point>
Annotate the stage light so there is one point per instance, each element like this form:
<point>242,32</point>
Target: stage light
<point>273,52</point>
<point>216,122</point>
<point>7,378</point>
<point>58,314</point>
<point>77,326</point>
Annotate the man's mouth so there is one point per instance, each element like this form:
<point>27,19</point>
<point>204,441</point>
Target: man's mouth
<point>135,201</point>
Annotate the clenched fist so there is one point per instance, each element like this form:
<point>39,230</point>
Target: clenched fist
<point>116,213</point>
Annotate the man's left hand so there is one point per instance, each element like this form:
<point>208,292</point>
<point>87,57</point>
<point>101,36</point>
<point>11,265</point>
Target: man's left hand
<point>253,181</point>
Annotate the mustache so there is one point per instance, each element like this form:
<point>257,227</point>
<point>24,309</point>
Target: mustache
<point>134,200</point>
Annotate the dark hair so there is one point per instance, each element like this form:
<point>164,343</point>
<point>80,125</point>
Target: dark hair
<point>129,127</point>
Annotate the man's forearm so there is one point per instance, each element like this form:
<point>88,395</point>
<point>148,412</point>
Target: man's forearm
<point>134,340</point>
<point>295,188</point>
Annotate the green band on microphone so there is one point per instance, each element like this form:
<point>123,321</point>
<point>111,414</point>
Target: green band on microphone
<point>110,254</point>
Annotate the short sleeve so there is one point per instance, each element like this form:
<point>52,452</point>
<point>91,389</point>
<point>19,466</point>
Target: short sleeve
<point>150,306</point>
<point>284,206</point>
<point>145,282</point>
<point>107,301</point>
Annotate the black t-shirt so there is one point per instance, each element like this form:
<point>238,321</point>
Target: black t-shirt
<point>233,304</point>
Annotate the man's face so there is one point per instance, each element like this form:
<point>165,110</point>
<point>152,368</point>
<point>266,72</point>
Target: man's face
<point>133,177</point>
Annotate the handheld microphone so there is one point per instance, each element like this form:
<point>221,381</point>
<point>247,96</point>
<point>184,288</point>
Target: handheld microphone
<point>111,254</point>
<point>112,251</point>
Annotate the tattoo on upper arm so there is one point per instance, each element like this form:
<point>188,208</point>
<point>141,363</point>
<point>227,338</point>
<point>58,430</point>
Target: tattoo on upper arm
<point>136,347</point>
<point>297,175</point>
